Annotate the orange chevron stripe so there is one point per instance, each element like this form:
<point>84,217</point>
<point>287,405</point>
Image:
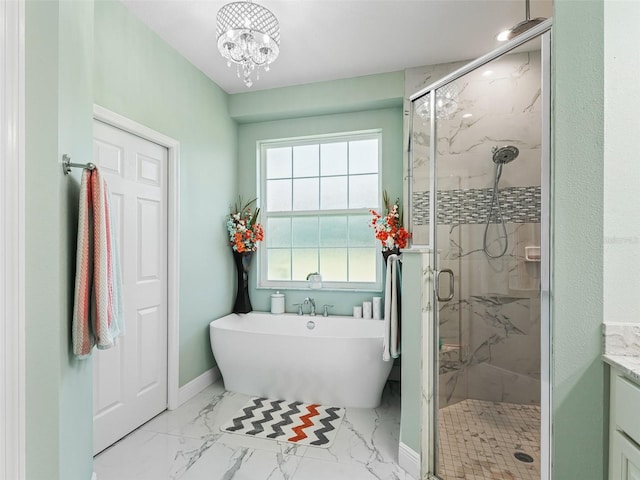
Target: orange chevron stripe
<point>306,422</point>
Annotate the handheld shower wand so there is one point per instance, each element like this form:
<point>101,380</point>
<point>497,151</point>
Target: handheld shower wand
<point>501,156</point>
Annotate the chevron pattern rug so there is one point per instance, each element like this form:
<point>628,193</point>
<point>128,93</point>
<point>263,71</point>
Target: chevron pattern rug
<point>285,421</point>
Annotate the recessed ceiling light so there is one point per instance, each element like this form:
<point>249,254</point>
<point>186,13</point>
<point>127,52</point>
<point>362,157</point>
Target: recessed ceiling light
<point>467,115</point>
<point>487,73</point>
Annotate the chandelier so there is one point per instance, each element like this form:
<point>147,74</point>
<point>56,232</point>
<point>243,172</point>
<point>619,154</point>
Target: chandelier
<point>249,36</point>
<point>446,103</point>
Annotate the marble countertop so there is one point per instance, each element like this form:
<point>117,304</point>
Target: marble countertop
<point>630,366</point>
<point>621,347</point>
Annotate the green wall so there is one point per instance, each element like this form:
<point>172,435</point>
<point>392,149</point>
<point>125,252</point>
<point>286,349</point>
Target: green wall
<point>59,54</point>
<point>388,119</point>
<point>139,76</point>
<point>579,440</point>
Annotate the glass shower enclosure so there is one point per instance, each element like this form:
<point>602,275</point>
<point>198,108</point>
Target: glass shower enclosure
<point>478,188</point>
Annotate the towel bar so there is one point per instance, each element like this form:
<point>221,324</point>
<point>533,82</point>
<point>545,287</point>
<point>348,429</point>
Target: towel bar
<point>67,164</point>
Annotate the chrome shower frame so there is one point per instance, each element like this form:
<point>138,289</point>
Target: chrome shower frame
<point>430,333</point>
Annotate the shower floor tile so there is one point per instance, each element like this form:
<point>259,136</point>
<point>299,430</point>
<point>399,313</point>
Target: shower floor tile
<point>478,440</point>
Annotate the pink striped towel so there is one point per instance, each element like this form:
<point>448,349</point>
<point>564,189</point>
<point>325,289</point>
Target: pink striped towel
<point>97,312</point>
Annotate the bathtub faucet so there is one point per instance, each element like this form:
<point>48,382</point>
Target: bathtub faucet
<point>311,302</point>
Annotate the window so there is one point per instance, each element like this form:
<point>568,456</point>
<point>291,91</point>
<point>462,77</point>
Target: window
<point>315,198</point>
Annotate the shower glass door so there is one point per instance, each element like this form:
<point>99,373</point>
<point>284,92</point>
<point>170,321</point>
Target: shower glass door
<point>480,138</point>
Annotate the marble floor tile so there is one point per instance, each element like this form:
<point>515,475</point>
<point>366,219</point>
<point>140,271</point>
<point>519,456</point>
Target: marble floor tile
<point>226,462</point>
<point>203,415</point>
<point>144,455</point>
<point>187,444</point>
<point>313,469</point>
<point>284,448</point>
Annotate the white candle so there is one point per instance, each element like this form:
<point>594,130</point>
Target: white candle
<point>357,312</point>
<point>377,308</point>
<point>366,310</point>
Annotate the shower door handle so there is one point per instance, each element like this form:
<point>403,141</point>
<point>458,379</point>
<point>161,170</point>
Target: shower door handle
<point>451,287</point>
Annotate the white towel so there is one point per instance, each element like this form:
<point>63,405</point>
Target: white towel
<point>391,340</point>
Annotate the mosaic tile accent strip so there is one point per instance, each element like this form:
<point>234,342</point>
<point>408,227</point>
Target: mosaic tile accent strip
<point>472,206</point>
<point>478,441</point>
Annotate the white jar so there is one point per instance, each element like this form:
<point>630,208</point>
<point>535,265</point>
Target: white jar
<point>277,302</point>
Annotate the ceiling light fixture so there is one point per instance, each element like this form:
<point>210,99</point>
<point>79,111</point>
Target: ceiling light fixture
<point>249,36</point>
<point>521,27</point>
<point>446,103</point>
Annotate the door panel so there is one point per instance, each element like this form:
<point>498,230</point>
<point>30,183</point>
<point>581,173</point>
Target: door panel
<point>130,379</point>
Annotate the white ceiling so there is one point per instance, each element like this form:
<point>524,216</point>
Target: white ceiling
<point>332,39</point>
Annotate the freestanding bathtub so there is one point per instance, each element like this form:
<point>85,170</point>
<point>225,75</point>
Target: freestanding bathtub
<point>328,360</point>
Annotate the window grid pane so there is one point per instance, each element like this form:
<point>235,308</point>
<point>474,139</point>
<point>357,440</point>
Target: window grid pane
<point>304,232</point>
<point>333,231</point>
<point>279,195</point>
<point>306,194</point>
<point>334,193</point>
<point>333,264</point>
<point>362,267</point>
<point>279,261</point>
<point>306,161</point>
<point>303,262</point>
<point>279,232</point>
<point>333,159</point>
<point>316,177</point>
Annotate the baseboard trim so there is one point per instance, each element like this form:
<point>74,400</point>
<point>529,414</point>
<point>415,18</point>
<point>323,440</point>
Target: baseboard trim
<point>195,386</point>
<point>409,460</point>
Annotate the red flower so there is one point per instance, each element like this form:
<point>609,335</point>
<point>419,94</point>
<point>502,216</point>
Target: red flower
<point>388,228</point>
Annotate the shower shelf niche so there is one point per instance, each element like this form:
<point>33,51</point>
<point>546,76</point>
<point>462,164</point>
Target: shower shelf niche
<point>531,254</point>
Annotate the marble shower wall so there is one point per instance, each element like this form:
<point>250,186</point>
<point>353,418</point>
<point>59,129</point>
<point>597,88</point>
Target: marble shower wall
<point>491,329</point>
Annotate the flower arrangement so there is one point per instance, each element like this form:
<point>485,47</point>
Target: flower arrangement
<point>244,230</point>
<point>388,227</point>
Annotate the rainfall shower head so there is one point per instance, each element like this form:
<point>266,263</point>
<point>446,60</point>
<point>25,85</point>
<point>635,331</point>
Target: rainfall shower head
<point>506,154</point>
<point>521,27</point>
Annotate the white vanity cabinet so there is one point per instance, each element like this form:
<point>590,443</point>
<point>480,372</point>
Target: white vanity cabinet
<point>624,431</point>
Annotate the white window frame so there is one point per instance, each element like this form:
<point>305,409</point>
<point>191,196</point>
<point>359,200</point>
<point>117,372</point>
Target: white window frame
<point>262,280</point>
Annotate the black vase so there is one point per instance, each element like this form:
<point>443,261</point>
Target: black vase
<point>243,262</point>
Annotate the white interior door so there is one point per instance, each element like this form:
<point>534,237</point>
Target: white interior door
<point>130,379</point>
